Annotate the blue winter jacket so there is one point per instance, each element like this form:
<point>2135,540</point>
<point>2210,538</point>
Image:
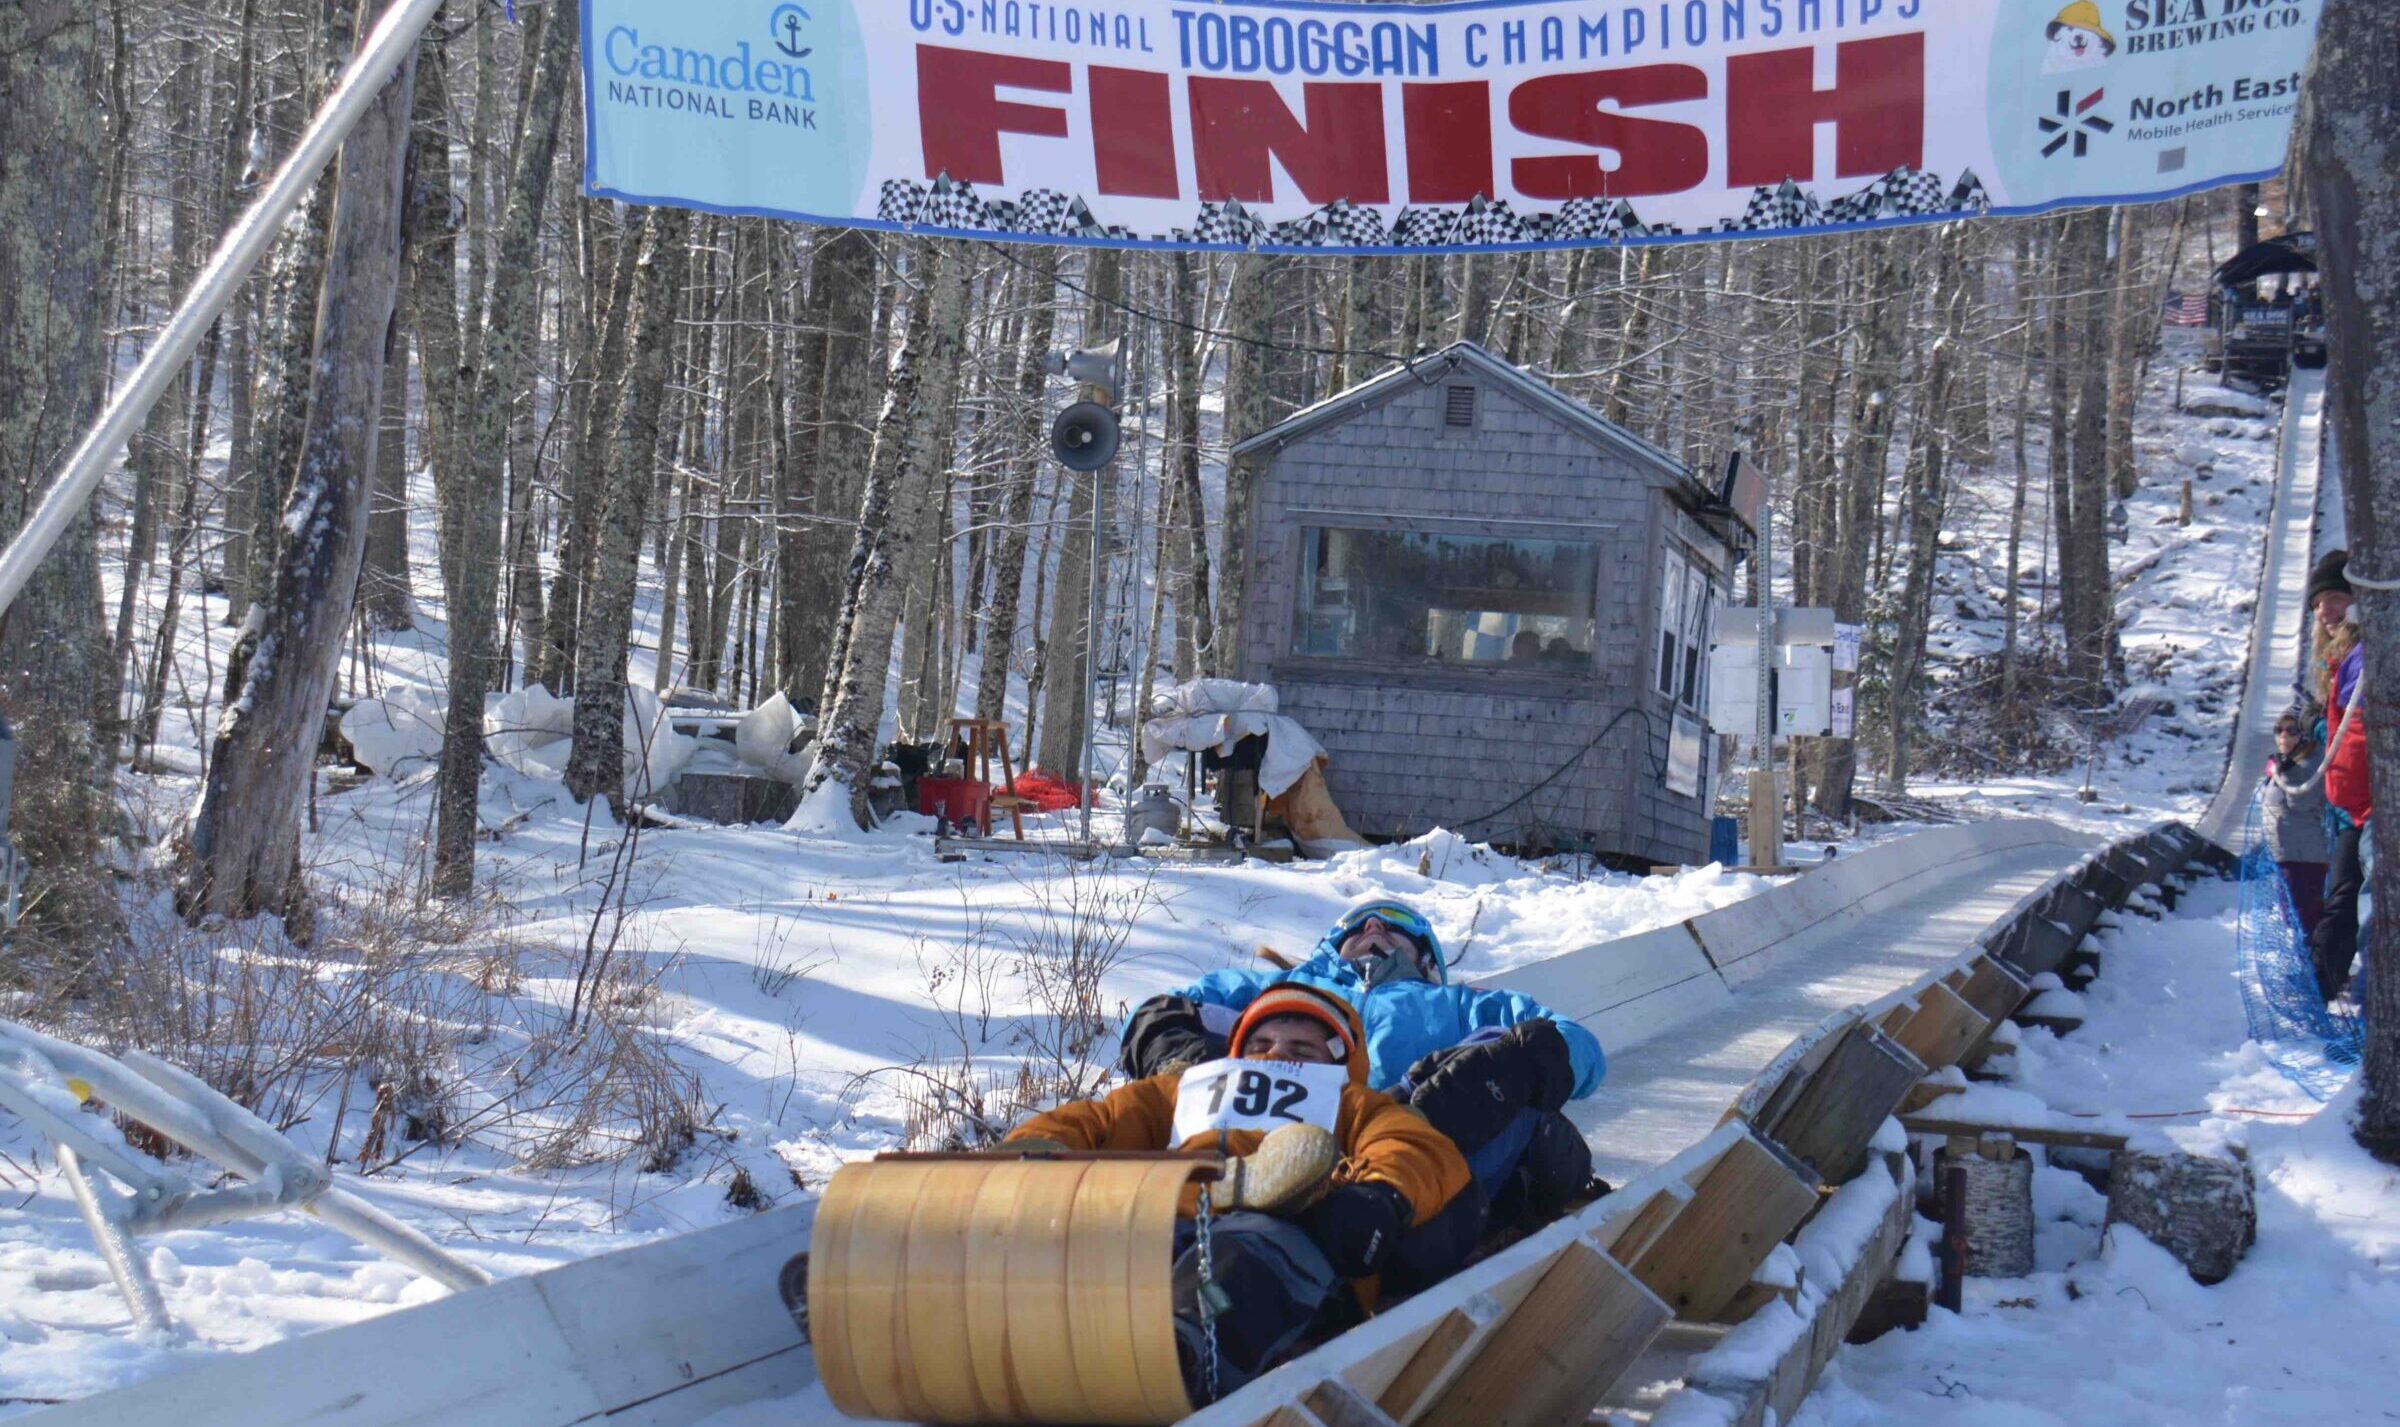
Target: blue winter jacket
<point>1404,1019</point>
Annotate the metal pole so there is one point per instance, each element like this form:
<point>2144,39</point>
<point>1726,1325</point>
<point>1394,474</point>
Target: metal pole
<point>244,244</point>
<point>1091,653</point>
<point>1766,802</point>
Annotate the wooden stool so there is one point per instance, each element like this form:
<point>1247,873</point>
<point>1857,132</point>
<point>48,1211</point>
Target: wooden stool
<point>976,741</point>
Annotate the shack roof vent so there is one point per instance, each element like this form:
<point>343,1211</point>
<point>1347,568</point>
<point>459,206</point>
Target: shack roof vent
<point>1460,411</point>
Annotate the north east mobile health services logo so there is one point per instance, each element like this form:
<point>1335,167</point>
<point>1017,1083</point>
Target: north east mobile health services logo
<point>748,105</point>
<point>2072,128</point>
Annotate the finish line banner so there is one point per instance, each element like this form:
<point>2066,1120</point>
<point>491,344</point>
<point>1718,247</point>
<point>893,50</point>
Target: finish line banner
<point>1284,125</point>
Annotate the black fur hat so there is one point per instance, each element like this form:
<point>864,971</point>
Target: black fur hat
<point>2331,577</point>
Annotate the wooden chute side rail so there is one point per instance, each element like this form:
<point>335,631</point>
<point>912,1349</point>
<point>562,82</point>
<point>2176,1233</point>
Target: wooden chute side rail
<point>1542,1330</point>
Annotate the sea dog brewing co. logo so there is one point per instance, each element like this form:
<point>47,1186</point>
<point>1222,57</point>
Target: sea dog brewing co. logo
<point>2077,40</point>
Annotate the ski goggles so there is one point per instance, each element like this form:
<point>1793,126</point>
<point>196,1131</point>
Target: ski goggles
<point>1412,928</point>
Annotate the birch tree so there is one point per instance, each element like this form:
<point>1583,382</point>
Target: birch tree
<point>473,496</point>
<point>910,443</point>
<point>596,764</point>
<point>241,852</point>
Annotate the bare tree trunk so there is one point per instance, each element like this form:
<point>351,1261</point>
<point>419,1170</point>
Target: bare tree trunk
<point>156,456</point>
<point>596,765</point>
<point>2351,130</point>
<point>2083,552</point>
<point>1927,487</point>
<point>1630,340</point>
<point>910,445</point>
<point>476,491</point>
<point>1873,406</point>
<point>1358,315</point>
<point>386,597</point>
<point>241,852</point>
<point>54,262</point>
<point>595,408</point>
<point>1475,301</point>
<point>296,277</point>
<point>1196,639</point>
<point>2012,596</point>
<point>851,373</point>
<point>1071,642</point>
<point>1249,317</point>
<point>2128,301</point>
<point>1030,449</point>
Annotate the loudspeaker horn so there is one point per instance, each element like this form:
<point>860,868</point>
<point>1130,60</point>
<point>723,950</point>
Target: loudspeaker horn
<point>1085,436</point>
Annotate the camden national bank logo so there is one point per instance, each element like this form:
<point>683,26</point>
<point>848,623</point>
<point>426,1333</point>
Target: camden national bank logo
<point>771,81</point>
<point>740,105</point>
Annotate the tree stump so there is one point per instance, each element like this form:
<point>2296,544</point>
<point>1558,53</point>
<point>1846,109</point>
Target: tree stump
<point>2204,1211</point>
<point>1998,1205</point>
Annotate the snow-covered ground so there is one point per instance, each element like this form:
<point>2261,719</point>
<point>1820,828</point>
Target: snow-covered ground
<point>809,991</point>
<point>2109,1328</point>
<point>813,998</point>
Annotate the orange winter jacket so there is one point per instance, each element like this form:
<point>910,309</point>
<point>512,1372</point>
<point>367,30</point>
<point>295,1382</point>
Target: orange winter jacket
<point>1381,1138</point>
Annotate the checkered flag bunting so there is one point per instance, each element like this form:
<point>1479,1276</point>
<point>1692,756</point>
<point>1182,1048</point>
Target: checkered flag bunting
<point>1905,192</point>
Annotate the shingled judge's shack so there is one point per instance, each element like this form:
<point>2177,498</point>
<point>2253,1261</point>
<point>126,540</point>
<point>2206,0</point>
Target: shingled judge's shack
<point>1493,606</point>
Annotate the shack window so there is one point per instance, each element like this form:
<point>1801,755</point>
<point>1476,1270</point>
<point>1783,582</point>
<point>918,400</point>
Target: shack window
<point>1409,597</point>
<point>1687,617</point>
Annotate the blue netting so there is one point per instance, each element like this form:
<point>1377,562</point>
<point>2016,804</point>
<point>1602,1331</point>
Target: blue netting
<point>2316,1047</point>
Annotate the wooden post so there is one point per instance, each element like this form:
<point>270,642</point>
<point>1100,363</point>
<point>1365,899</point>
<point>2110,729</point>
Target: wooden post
<point>1952,1293</point>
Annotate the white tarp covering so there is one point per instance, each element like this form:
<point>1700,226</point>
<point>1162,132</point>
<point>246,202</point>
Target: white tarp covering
<point>1218,713</point>
<point>763,740</point>
<point>532,731</point>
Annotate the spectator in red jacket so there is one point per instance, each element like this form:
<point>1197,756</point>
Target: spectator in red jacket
<point>2341,676</point>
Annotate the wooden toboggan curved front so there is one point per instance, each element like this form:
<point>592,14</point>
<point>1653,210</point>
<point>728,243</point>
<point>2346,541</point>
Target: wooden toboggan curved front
<point>971,1289</point>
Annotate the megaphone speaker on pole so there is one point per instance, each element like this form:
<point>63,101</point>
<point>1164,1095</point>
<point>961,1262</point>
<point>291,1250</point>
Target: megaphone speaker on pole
<point>1085,436</point>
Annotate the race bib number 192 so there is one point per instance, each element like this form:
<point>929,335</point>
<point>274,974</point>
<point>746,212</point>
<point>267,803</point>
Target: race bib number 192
<point>1257,1095</point>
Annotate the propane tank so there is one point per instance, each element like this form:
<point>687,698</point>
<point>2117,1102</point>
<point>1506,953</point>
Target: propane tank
<point>1154,810</point>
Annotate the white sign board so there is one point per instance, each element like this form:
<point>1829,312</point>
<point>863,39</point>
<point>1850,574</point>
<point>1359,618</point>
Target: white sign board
<point>1846,640</point>
<point>1845,713</point>
<point>1683,756</point>
<point>1800,624</point>
<point>1804,692</point>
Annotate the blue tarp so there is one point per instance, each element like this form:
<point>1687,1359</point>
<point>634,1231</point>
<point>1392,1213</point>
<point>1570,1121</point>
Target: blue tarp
<point>2315,1046</point>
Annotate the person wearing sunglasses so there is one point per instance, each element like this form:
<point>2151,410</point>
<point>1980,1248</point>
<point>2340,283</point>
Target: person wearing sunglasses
<point>1493,1070</point>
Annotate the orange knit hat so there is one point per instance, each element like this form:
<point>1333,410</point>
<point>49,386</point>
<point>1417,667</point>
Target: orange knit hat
<point>1298,998</point>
